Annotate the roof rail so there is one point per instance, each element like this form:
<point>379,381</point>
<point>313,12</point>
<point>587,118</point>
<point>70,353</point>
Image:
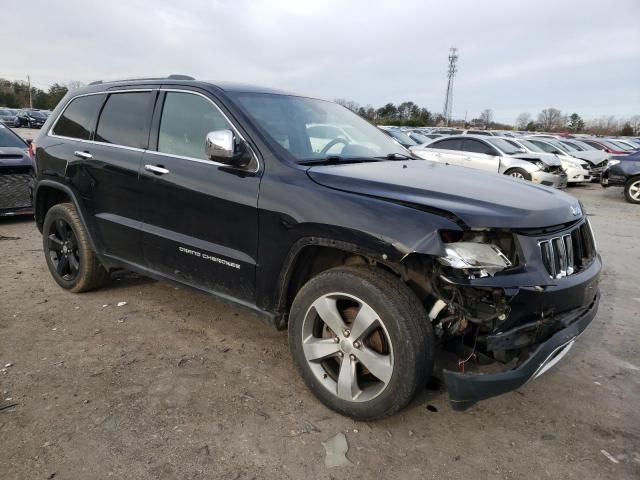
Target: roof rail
<point>174,76</point>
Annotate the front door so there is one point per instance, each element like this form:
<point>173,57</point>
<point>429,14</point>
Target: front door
<point>200,218</point>
<point>477,154</point>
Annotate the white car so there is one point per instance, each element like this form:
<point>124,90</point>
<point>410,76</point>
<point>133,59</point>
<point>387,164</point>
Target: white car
<point>578,171</point>
<point>494,154</point>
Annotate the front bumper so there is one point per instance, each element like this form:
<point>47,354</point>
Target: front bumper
<point>549,179</point>
<point>467,389</point>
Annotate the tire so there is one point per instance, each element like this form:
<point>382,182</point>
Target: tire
<point>632,190</point>
<point>71,261</point>
<point>398,347</point>
<point>520,173</point>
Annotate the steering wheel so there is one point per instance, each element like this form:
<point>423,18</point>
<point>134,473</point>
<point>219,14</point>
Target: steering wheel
<point>333,142</point>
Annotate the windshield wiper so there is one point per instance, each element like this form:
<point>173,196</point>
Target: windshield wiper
<point>337,159</point>
<point>396,156</point>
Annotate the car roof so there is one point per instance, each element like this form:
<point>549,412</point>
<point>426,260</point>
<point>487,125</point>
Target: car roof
<point>181,80</point>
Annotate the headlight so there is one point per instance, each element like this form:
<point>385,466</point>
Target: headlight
<point>485,257</point>
<point>541,165</point>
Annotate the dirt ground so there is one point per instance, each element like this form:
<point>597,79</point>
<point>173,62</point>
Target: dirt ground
<point>175,384</point>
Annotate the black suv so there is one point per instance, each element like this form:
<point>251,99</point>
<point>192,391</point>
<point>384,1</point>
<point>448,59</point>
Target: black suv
<point>304,213</point>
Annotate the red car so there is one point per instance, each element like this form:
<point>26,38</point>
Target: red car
<point>605,145</point>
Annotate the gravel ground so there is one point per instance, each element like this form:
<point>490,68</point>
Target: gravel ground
<point>174,384</point>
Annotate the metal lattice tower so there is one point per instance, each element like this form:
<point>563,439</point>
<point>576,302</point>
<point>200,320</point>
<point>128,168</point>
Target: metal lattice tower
<point>448,101</point>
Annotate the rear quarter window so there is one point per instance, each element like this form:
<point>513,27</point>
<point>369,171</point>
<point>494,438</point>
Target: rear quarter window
<point>78,118</point>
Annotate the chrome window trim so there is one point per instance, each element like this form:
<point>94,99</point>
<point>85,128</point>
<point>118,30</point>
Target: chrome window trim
<point>51,133</point>
<point>202,160</point>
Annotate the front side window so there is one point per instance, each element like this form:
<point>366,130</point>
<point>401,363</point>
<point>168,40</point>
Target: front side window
<point>448,144</point>
<point>186,120</point>
<point>77,119</point>
<point>123,120</point>
<point>477,146</point>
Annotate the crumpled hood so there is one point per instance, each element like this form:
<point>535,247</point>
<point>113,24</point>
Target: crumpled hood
<point>547,158</point>
<point>594,156</point>
<point>479,199</point>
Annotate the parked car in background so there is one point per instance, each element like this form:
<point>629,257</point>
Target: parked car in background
<point>495,155</point>
<point>9,118</point>
<point>604,145</point>
<point>419,137</point>
<point>399,136</point>
<point>625,144</point>
<point>31,118</point>
<point>624,171</point>
<point>577,170</point>
<point>16,174</point>
<point>487,133</point>
<point>596,159</point>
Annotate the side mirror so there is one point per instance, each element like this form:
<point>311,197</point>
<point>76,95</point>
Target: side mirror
<point>222,146</point>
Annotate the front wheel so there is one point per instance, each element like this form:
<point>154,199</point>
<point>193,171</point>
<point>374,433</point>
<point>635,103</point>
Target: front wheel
<point>361,341</point>
<point>632,190</point>
<point>520,173</point>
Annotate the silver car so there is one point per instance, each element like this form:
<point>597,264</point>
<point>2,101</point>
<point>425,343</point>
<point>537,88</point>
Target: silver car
<point>496,155</point>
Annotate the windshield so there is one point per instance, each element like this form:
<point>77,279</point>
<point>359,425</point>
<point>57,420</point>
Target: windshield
<point>623,145</point>
<point>5,113</point>
<point>532,146</point>
<point>571,146</point>
<point>402,137</point>
<point>557,144</point>
<point>583,146</point>
<point>418,137</point>
<point>311,129</point>
<point>9,139</point>
<point>504,145</point>
<point>37,115</point>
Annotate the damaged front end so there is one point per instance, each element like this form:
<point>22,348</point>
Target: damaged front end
<point>508,305</point>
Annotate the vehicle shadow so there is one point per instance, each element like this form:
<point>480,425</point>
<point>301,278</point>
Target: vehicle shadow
<point>122,279</point>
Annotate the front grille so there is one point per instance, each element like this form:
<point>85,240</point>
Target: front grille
<point>568,253</point>
<point>14,190</point>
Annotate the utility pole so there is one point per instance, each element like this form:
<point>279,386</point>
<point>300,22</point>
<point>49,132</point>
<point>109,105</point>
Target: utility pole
<point>30,100</point>
<point>451,73</point>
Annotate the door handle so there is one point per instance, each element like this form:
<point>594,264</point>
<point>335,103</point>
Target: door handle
<point>83,155</point>
<point>157,169</point>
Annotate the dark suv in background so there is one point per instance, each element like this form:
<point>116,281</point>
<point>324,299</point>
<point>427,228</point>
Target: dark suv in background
<point>373,259</point>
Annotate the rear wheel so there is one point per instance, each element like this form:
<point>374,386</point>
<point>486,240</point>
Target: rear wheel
<point>632,190</point>
<point>361,341</point>
<point>520,173</point>
<point>71,261</point>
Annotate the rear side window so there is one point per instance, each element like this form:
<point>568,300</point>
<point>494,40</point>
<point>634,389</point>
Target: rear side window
<point>448,144</point>
<point>77,119</point>
<point>594,145</point>
<point>123,120</point>
<point>476,146</point>
<point>186,120</point>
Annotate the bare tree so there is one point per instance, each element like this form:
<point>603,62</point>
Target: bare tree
<point>523,120</point>
<point>75,84</point>
<point>551,119</point>
<point>487,116</point>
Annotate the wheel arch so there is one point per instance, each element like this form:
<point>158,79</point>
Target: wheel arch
<point>313,255</point>
<point>49,193</point>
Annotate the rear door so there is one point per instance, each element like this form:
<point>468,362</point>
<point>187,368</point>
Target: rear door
<point>200,217</point>
<point>479,155</point>
<point>447,150</point>
<point>104,135</point>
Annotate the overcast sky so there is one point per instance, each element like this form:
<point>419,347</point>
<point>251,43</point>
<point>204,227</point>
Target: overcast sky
<point>579,56</point>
